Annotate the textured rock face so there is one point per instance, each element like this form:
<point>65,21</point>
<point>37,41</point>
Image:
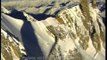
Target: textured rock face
<point>82,43</point>
<point>11,49</point>
<point>72,35</point>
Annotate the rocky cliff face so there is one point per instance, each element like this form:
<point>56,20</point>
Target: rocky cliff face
<point>11,48</point>
<point>75,34</point>
<point>79,41</point>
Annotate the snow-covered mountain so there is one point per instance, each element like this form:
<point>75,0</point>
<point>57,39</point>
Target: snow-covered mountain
<point>53,32</point>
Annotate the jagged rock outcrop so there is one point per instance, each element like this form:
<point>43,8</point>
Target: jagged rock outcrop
<point>11,48</point>
<point>88,44</point>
